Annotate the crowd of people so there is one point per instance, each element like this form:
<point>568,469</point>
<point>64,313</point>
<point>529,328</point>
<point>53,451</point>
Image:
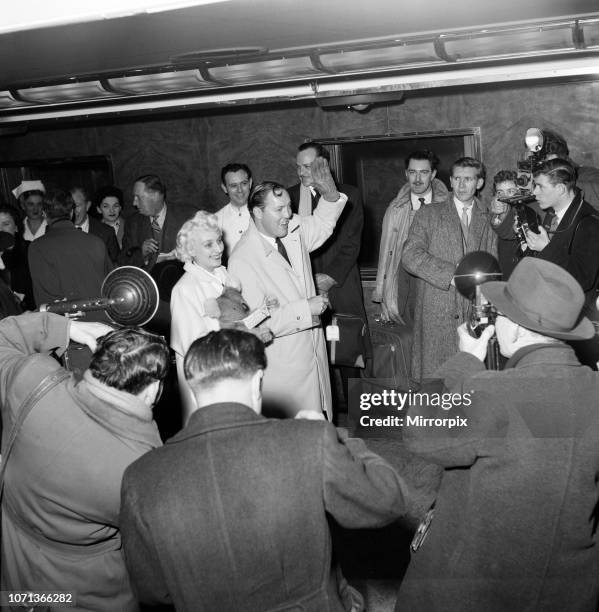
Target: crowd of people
<point>232,512</point>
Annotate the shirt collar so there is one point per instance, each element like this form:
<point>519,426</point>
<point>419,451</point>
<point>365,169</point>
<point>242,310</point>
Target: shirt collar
<point>272,241</point>
<point>427,197</point>
<point>85,225</point>
<point>29,235</point>
<point>161,216</point>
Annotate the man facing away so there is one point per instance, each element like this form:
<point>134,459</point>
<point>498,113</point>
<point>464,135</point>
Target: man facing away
<point>234,217</point>
<point>231,514</point>
<point>438,239</point>
<point>395,287</point>
<point>272,259</point>
<point>515,524</point>
<point>60,507</point>
<point>64,262</point>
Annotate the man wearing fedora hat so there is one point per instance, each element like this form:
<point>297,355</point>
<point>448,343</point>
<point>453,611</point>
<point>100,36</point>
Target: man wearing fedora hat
<point>515,520</point>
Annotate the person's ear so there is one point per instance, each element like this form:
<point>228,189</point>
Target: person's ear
<point>151,394</point>
<point>224,189</point>
<point>256,389</point>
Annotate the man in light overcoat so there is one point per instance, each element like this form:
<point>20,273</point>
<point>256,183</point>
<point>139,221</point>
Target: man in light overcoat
<point>272,259</point>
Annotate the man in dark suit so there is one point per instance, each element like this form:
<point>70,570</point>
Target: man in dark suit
<point>151,232</point>
<point>64,262</point>
<point>573,238</point>
<point>231,514</point>
<point>335,263</point>
<point>89,225</point>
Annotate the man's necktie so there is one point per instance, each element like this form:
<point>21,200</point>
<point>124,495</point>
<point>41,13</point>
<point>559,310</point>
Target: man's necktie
<point>157,235</point>
<point>464,221</point>
<point>156,230</point>
<point>550,221</point>
<point>419,205</point>
<point>281,248</point>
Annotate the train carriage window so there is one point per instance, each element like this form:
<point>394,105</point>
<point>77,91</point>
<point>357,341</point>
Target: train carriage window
<point>375,164</point>
<point>90,172</point>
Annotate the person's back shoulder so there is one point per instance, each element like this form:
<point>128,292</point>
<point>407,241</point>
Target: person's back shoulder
<point>293,442</point>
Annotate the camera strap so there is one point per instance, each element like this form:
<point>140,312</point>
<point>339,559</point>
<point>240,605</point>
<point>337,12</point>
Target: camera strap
<point>45,385</point>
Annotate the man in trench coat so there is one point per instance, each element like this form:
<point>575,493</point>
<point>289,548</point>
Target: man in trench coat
<point>272,259</point>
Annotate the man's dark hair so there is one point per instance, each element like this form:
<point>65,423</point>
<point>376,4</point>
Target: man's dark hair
<point>57,204</point>
<point>129,359</point>
<point>470,162</point>
<point>82,190</point>
<point>321,151</point>
<point>425,154</point>
<point>260,192</point>
<point>505,175</point>
<point>554,143</point>
<point>558,171</point>
<point>152,183</point>
<point>223,354</point>
<point>109,191</point>
<point>234,168</point>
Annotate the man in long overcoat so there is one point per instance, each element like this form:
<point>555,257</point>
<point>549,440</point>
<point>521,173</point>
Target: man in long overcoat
<point>298,376</point>
<point>440,236</point>
<point>231,515</point>
<point>61,497</point>
<point>515,520</point>
<point>395,287</point>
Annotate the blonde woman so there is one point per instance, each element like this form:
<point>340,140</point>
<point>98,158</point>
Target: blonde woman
<point>200,248</point>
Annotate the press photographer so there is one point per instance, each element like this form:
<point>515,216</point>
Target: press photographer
<point>572,238</point>
<point>512,217</point>
<point>515,523</point>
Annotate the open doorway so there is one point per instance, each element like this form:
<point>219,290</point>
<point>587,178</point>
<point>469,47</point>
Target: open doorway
<point>375,164</point>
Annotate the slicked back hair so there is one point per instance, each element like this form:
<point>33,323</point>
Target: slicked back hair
<point>260,192</point>
<point>321,151</point>
<point>234,168</point>
<point>130,359</point>
<point>424,154</point>
<point>558,171</point>
<point>152,183</point>
<point>222,355</point>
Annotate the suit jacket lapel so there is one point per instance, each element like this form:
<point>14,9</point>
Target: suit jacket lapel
<point>452,222</point>
<point>478,224</point>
